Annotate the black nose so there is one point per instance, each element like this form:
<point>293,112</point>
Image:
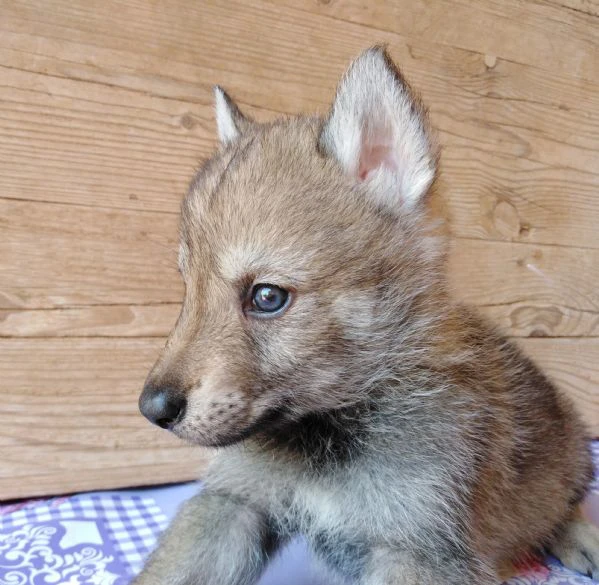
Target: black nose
<point>161,406</point>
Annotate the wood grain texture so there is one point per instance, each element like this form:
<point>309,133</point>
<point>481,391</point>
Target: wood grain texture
<point>64,255</point>
<point>535,33</point>
<point>69,418</point>
<point>135,290</point>
<point>530,291</point>
<point>105,111</point>
<point>572,364</point>
<point>119,320</point>
<point>512,134</point>
<point>590,7</point>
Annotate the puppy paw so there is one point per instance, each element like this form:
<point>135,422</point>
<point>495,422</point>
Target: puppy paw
<point>577,547</point>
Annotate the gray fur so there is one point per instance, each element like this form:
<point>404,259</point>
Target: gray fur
<point>409,441</point>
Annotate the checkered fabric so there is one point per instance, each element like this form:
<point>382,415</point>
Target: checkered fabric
<point>100,539</point>
<point>594,488</point>
<point>103,539</point>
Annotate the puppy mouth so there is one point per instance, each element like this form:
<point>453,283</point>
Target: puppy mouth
<point>267,421</point>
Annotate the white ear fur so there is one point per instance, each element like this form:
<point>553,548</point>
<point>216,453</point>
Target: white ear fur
<point>378,131</point>
<point>230,122</point>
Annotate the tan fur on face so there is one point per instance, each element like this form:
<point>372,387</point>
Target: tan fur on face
<point>271,209</point>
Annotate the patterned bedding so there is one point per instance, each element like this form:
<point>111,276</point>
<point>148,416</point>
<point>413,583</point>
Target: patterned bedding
<point>103,538</point>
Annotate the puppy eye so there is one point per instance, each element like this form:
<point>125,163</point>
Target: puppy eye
<point>269,298</point>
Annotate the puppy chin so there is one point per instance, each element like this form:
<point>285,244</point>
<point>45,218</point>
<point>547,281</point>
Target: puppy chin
<point>206,438</point>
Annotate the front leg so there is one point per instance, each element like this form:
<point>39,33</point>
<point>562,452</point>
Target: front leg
<point>215,539</point>
<point>387,566</point>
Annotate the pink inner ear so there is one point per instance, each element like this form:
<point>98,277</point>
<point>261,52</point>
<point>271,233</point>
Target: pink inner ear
<point>374,156</point>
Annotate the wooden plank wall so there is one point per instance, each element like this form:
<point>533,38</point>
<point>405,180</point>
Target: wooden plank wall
<point>105,110</point>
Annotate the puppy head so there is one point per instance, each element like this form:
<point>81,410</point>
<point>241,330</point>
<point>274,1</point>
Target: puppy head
<point>306,260</point>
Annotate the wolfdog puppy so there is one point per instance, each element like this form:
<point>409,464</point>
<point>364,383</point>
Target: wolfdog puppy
<point>348,397</point>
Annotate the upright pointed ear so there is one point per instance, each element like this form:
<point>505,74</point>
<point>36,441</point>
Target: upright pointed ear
<point>230,122</point>
<point>378,132</point>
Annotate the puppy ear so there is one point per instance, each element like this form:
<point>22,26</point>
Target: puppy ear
<point>378,132</point>
<point>230,122</point>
